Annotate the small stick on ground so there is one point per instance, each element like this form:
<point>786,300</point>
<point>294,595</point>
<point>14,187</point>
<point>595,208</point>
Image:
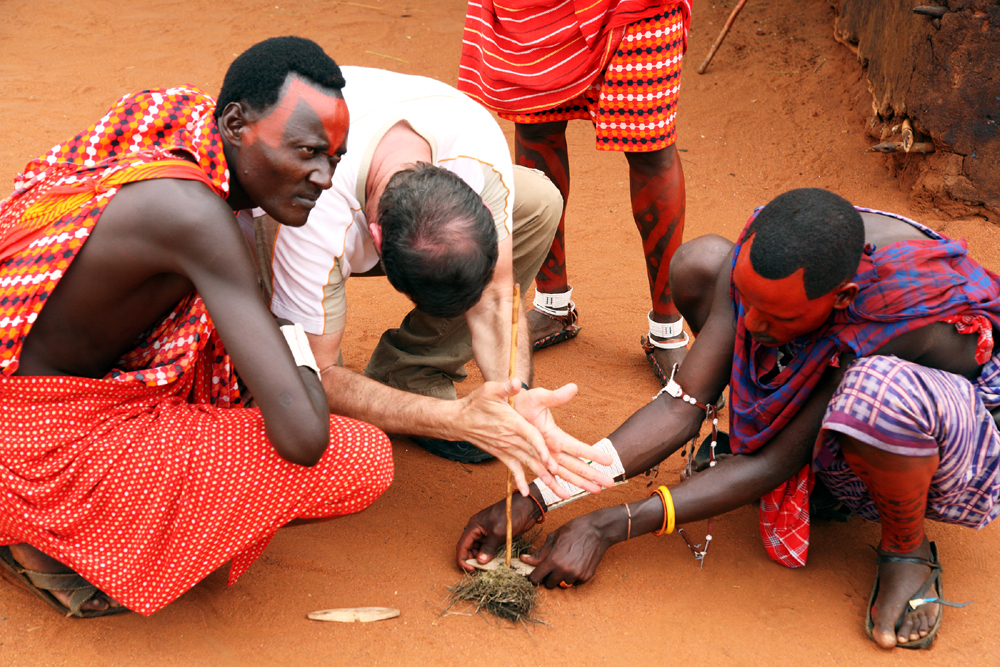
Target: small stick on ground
<point>722,35</point>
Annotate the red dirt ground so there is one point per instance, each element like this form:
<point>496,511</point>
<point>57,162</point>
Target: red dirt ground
<point>776,110</point>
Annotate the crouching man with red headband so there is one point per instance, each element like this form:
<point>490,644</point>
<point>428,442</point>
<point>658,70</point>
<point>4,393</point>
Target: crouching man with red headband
<point>858,349</point>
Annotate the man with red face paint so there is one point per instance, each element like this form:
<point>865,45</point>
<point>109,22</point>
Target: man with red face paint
<point>858,349</point>
<point>616,63</point>
<point>129,469</point>
<point>427,195</point>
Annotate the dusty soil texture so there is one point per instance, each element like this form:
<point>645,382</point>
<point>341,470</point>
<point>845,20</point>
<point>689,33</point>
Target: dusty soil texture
<point>776,110</point>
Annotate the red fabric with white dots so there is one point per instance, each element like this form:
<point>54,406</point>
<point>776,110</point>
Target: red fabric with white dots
<point>150,478</point>
<point>144,493</point>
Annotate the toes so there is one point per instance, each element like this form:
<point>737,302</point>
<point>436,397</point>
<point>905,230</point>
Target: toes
<point>885,639</point>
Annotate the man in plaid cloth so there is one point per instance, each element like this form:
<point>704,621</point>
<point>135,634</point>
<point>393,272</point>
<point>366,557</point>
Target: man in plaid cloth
<point>858,349</point>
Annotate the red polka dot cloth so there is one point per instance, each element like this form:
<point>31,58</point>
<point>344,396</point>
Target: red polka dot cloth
<point>152,477</point>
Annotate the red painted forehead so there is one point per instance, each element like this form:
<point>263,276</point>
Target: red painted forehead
<point>331,111</point>
<point>783,298</point>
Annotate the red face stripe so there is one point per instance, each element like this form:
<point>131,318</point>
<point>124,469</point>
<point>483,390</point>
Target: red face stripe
<point>778,311</point>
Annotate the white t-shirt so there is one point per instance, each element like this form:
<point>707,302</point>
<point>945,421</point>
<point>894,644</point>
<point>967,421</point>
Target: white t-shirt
<point>307,265</point>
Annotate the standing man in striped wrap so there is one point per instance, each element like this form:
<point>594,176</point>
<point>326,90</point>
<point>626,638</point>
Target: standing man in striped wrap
<point>542,63</point>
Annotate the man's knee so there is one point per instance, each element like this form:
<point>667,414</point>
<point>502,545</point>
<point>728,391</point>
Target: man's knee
<point>694,269</point>
<point>653,162</point>
<point>537,200</point>
<point>535,132</point>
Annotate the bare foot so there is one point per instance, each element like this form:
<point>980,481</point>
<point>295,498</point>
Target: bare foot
<point>31,558</point>
<point>898,584</point>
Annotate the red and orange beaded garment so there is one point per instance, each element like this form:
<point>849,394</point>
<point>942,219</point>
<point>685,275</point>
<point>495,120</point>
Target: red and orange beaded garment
<point>614,62</point>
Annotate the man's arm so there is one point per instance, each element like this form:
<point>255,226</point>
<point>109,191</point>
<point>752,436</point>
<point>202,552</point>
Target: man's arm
<point>483,418</point>
<point>200,239</point>
<point>573,552</point>
<point>490,322</point>
<point>651,434</point>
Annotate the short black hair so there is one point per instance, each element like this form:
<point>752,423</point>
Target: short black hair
<point>257,75</point>
<point>811,229</point>
<point>439,241</point>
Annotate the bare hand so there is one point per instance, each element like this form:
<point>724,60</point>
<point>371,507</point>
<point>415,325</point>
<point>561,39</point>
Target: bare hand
<point>486,532</point>
<point>570,554</point>
<point>566,450</point>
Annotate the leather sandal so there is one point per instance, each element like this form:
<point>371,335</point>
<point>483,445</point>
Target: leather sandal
<point>40,583</point>
<point>569,328</point>
<point>667,331</point>
<point>930,591</point>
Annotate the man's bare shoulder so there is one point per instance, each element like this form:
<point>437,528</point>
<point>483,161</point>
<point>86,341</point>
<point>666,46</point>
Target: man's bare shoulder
<point>169,215</point>
<point>171,203</point>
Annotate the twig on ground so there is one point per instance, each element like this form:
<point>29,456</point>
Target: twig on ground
<point>722,35</point>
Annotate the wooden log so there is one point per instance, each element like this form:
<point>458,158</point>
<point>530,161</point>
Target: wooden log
<point>515,564</point>
<point>722,35</point>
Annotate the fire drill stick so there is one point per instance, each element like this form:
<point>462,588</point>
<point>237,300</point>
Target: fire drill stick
<point>510,401</point>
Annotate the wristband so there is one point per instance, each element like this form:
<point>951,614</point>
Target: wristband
<point>614,471</point>
<point>542,509</point>
<point>302,354</point>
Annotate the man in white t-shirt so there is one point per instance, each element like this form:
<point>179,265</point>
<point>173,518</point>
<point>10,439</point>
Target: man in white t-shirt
<point>416,147</point>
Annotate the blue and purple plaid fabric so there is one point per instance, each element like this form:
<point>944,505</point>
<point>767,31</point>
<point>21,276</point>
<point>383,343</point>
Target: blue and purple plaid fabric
<point>905,408</point>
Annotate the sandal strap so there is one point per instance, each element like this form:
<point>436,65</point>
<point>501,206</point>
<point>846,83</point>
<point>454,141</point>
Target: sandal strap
<point>672,344</point>
<point>65,581</point>
<point>916,602</point>
<point>881,557</point>
<point>566,317</point>
<point>80,597</point>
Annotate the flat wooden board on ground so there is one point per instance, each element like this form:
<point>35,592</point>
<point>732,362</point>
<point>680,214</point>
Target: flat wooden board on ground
<point>351,614</point>
<point>515,563</point>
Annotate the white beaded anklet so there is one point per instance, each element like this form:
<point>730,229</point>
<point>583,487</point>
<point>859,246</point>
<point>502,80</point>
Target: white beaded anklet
<point>667,330</point>
<point>556,305</point>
